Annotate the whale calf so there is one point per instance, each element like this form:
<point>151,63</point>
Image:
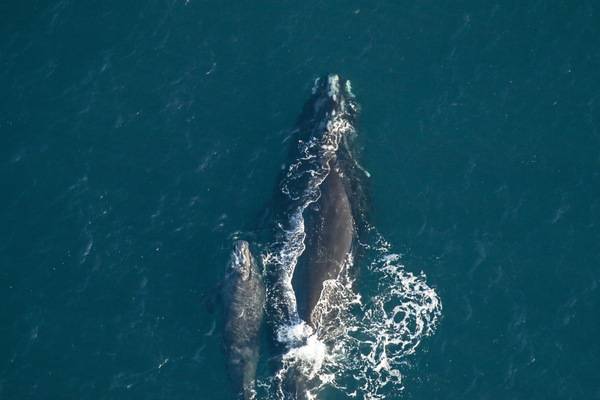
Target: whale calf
<point>242,294</point>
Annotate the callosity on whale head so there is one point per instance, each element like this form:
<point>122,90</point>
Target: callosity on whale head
<point>334,89</point>
<point>241,260</point>
<point>331,109</point>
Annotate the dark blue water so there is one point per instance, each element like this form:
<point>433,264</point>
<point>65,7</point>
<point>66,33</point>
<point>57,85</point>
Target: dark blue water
<point>138,138</point>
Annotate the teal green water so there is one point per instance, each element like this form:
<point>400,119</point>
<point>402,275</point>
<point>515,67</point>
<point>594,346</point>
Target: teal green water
<point>137,139</point>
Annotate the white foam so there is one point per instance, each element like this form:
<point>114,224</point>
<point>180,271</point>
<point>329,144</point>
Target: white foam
<point>294,334</point>
<point>308,358</point>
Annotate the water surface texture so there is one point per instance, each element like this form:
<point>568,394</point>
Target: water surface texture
<point>138,140</point>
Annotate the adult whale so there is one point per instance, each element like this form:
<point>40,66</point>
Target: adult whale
<point>320,195</point>
<point>242,293</point>
<point>319,213</point>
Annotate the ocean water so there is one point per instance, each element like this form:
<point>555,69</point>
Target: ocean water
<point>139,139</point>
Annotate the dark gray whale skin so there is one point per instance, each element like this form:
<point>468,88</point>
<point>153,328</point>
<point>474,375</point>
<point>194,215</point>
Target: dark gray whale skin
<point>330,231</point>
<point>242,294</point>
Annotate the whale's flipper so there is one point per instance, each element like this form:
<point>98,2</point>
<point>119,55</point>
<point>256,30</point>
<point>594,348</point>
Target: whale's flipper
<point>214,298</point>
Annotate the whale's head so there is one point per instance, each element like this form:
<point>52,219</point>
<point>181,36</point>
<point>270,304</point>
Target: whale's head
<point>332,96</point>
<point>240,262</point>
<point>328,118</point>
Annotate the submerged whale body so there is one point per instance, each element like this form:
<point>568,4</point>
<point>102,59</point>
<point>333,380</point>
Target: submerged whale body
<point>242,294</point>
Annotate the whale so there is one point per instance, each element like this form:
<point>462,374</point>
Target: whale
<point>320,185</point>
<point>317,221</point>
<point>242,296</point>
